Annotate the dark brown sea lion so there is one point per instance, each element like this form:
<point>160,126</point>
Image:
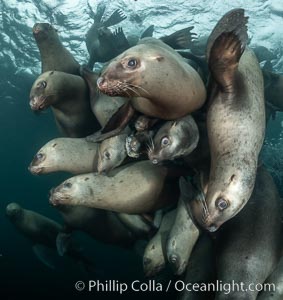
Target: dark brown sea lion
<point>54,56</point>
<point>101,43</point>
<point>235,120</point>
<point>68,97</point>
<point>248,246</point>
<point>174,139</point>
<point>42,233</point>
<point>138,188</point>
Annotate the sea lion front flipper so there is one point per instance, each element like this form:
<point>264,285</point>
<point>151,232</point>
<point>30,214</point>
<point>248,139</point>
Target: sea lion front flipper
<point>63,242</point>
<point>181,39</point>
<point>120,41</point>
<point>45,255</point>
<point>148,32</point>
<point>227,43</point>
<point>99,12</point>
<point>117,17</point>
<point>115,125</point>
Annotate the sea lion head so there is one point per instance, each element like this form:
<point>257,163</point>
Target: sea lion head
<point>126,75</point>
<point>225,198</point>
<point>46,159</point>
<point>174,139</point>
<point>62,193</point>
<point>13,211</point>
<point>42,95</point>
<point>42,31</point>
<point>112,153</point>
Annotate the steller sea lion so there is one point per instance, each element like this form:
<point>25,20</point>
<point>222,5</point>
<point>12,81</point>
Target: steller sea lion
<point>182,237</point>
<point>42,232</point>
<point>54,56</point>
<point>235,120</point>
<point>134,74</point>
<point>174,139</point>
<point>103,226</point>
<point>154,258</point>
<point>138,188</point>
<point>156,80</point>
<point>68,97</point>
<point>248,246</point>
<point>76,156</point>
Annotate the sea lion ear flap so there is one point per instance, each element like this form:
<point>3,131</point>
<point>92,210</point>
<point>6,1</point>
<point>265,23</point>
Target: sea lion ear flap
<point>158,57</point>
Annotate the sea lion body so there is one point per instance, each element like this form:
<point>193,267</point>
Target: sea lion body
<point>156,79</point>
<point>68,97</point>
<point>76,156</point>
<point>182,237</point>
<point>235,121</point>
<point>103,106</point>
<point>101,225</point>
<point>174,139</point>
<point>138,188</point>
<point>248,246</point>
<point>154,258</point>
<point>54,56</point>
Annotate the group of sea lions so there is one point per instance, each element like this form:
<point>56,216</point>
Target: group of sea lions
<point>164,146</point>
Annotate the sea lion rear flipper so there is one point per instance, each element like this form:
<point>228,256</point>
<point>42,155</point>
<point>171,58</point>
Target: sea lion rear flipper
<point>45,255</point>
<point>181,39</point>
<point>120,41</point>
<point>115,125</point>
<point>117,17</point>
<point>148,32</point>
<point>225,47</point>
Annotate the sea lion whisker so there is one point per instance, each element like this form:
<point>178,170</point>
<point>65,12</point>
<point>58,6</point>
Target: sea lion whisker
<point>139,87</point>
<point>131,89</point>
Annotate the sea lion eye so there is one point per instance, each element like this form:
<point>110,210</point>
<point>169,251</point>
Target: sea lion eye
<point>221,204</point>
<point>39,156</point>
<point>107,155</point>
<point>165,141</point>
<point>132,63</point>
<point>67,185</point>
<point>42,84</point>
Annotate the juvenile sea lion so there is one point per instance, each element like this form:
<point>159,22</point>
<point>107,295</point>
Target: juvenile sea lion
<point>182,237</point>
<point>154,258</point>
<point>235,120</point>
<point>54,56</point>
<point>156,80</point>
<point>112,152</point>
<point>248,246</point>
<point>42,232</point>
<point>174,139</point>
<point>138,188</point>
<point>76,156</point>
<point>68,97</point>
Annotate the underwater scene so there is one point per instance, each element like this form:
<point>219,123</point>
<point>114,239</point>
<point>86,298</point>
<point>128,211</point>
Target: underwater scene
<point>142,149</point>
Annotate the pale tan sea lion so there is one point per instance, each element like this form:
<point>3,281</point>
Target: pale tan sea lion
<point>68,97</point>
<point>54,56</point>
<point>134,188</point>
<point>182,238</point>
<point>154,258</point>
<point>155,76</point>
<point>235,120</point>
<point>76,156</point>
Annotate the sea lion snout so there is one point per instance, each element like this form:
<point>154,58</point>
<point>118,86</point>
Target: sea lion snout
<point>101,83</point>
